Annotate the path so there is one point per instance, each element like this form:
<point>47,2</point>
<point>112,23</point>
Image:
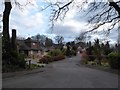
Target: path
<point>64,74</point>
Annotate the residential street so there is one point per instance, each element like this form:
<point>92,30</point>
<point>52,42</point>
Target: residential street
<point>64,74</point>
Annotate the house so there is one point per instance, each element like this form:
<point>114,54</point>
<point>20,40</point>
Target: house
<point>31,48</point>
<point>82,44</point>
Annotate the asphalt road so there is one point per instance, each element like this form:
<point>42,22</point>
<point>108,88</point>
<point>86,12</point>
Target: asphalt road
<point>64,74</point>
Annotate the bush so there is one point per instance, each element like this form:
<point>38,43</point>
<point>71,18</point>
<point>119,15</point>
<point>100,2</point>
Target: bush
<point>114,60</point>
<point>13,61</point>
<point>91,57</point>
<point>84,61</point>
<point>63,51</point>
<point>92,63</point>
<point>70,53</point>
<point>49,58</point>
<point>46,59</point>
<point>10,68</point>
<point>55,52</point>
<point>59,57</point>
<point>73,52</point>
<point>53,55</point>
<point>18,59</point>
<point>22,62</point>
<point>33,66</point>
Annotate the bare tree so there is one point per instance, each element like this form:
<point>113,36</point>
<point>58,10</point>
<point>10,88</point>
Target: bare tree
<point>59,39</point>
<point>81,37</point>
<point>106,13</point>
<point>40,38</point>
<point>6,37</point>
<point>6,42</point>
<point>48,42</point>
<point>103,12</point>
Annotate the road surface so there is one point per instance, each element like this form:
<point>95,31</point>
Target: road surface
<point>64,74</point>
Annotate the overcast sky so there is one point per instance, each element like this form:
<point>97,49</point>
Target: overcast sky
<point>29,20</point>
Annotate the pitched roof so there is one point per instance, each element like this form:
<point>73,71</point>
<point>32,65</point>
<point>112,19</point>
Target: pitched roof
<point>23,46</point>
<point>30,40</point>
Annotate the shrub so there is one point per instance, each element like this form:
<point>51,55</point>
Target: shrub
<point>46,59</point>
<point>18,59</point>
<point>83,61</point>
<point>13,62</point>
<point>91,57</point>
<point>55,52</point>
<point>63,51</point>
<point>10,68</point>
<point>22,62</point>
<point>68,51</point>
<point>73,52</point>
<point>59,57</point>
<point>33,66</point>
<point>114,60</point>
<point>92,63</point>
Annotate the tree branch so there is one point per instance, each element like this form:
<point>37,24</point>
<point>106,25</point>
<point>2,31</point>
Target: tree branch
<point>116,7</point>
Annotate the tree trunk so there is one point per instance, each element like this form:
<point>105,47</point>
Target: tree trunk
<point>6,46</point>
<point>6,36</point>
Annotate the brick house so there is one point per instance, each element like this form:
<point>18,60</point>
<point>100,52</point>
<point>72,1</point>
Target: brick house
<point>31,48</point>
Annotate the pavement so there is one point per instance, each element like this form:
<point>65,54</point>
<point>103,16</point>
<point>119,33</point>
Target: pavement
<point>21,73</point>
<point>62,74</point>
<point>24,72</point>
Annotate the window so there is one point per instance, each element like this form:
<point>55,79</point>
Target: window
<point>33,43</point>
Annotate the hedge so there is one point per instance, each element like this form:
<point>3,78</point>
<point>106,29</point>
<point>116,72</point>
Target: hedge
<point>114,60</point>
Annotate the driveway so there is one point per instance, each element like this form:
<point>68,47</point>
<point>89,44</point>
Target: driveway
<point>64,74</point>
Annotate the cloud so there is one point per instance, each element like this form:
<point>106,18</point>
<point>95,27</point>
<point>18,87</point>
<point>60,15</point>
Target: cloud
<point>73,25</point>
<point>70,27</point>
<point>27,22</point>
<point>111,37</point>
<point>63,30</point>
<point>33,20</point>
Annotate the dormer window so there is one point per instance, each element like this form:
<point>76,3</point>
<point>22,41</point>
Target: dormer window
<point>33,43</point>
